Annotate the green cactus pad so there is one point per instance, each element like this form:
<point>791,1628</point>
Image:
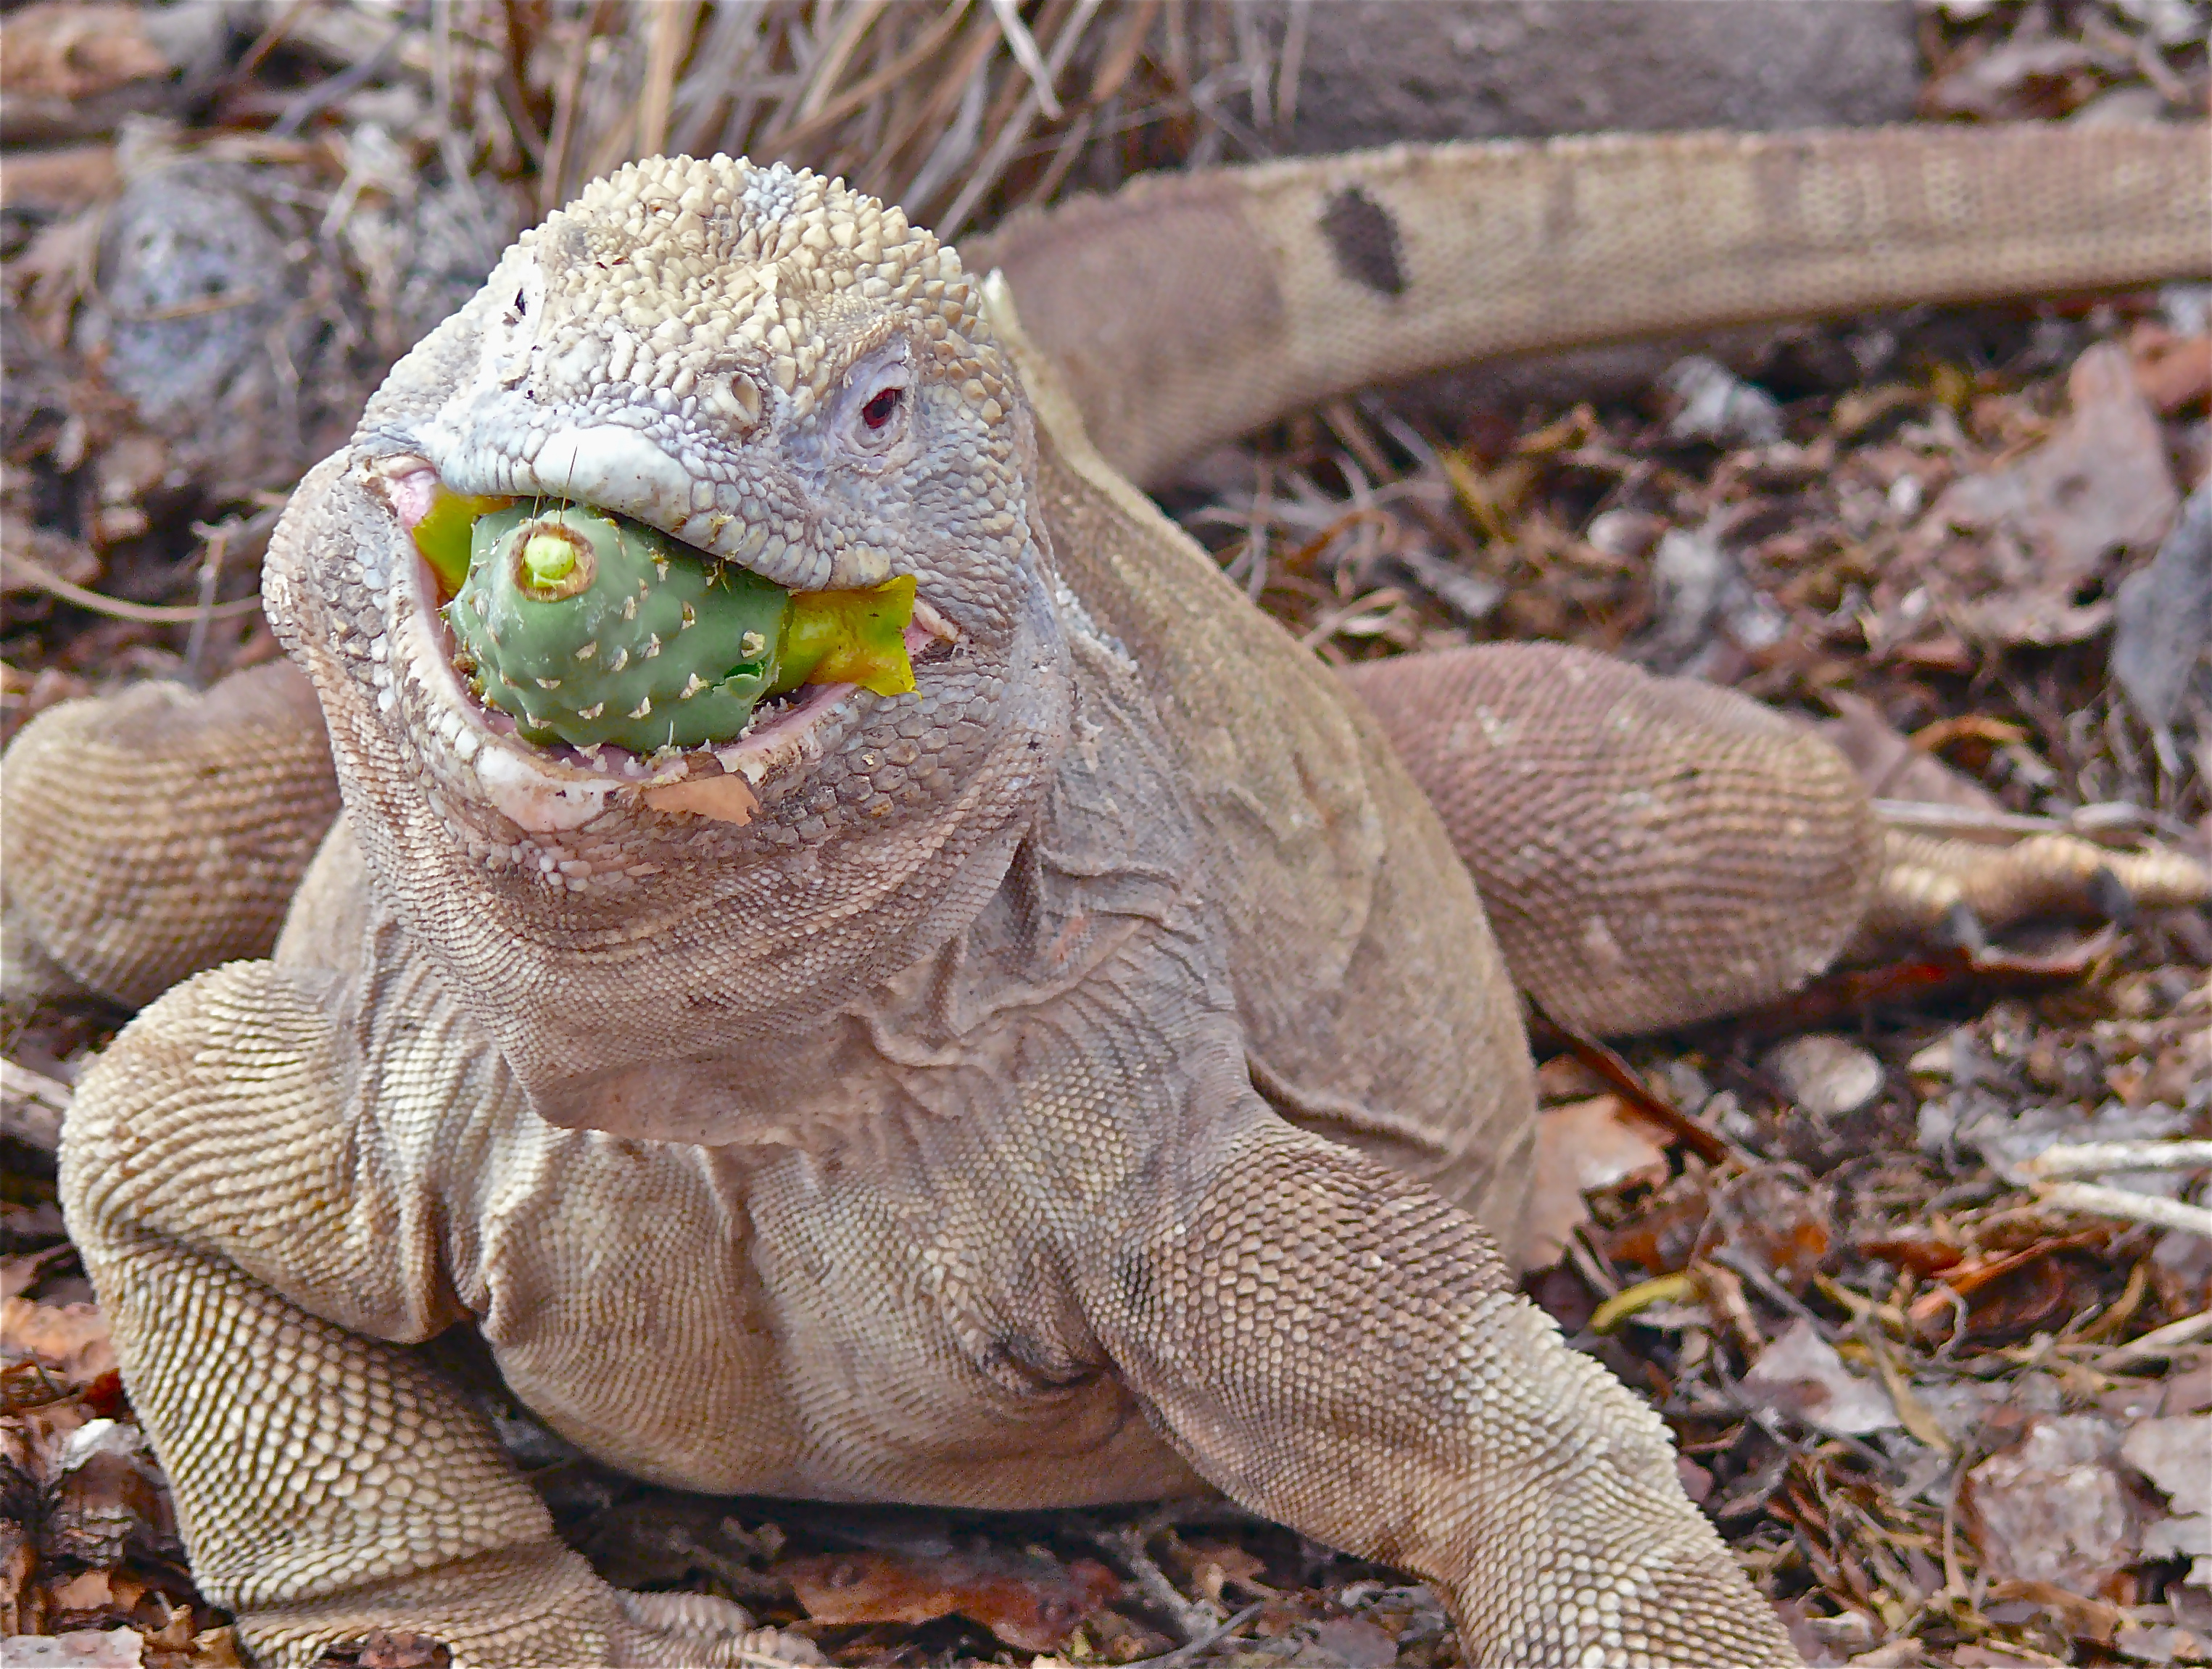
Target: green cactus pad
<point>588,628</point>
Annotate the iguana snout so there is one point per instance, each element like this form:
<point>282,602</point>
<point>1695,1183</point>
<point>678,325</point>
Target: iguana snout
<point>682,590</point>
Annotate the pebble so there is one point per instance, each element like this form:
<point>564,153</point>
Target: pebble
<point>1826,1075</point>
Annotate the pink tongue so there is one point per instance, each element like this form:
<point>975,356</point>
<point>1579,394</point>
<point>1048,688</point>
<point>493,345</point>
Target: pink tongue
<point>410,496</point>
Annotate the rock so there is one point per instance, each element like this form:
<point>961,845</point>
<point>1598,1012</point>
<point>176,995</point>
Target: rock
<point>1826,1075</point>
<point>1712,403</point>
<point>1374,72</point>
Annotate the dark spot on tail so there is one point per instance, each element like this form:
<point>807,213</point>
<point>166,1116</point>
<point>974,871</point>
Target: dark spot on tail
<point>1364,240</point>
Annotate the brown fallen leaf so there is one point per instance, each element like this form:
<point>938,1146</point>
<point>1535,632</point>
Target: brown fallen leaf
<point>71,1340</point>
<point>1775,1220</point>
<point>1031,1603</point>
<point>2007,1294</point>
<point>1849,994</point>
<point>2175,372</point>
<point>107,1497</point>
<point>2017,554</point>
<point>60,50</point>
<point>1216,1565</point>
<point>88,1590</point>
<point>1585,1144</point>
<point>727,799</point>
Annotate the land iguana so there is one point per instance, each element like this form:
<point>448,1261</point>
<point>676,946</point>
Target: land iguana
<point>1085,1075</point>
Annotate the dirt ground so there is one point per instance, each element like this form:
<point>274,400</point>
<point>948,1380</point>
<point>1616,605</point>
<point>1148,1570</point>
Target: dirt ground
<point>1948,1407</point>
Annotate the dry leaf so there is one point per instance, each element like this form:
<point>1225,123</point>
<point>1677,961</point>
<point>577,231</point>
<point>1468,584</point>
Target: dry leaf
<point>107,1494</point>
<point>2051,1508</point>
<point>2176,1455</point>
<point>2173,372</point>
<point>1032,1602</point>
<point>70,51</point>
<point>71,1339</point>
<point>1593,1143</point>
<point>1776,1217</point>
<point>2045,528</point>
<point>727,799</point>
<point>2165,616</point>
<point>1891,767</point>
<point>1800,1374</point>
<point>88,1590</point>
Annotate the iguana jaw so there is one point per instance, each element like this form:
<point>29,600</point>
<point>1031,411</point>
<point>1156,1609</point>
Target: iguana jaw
<point>544,789</point>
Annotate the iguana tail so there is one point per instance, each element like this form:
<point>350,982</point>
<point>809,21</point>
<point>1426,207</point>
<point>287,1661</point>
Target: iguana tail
<point>1187,309</point>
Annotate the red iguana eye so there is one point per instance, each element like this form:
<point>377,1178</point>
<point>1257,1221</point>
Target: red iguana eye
<point>878,411</point>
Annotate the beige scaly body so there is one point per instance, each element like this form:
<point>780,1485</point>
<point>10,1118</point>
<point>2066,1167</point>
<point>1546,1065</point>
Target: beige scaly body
<point>936,1109</point>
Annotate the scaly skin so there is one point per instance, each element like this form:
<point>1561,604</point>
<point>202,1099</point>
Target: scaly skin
<point>1084,1076</point>
<point>970,1196</point>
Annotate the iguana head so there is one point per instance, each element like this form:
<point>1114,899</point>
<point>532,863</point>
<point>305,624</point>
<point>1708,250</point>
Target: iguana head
<point>783,375</point>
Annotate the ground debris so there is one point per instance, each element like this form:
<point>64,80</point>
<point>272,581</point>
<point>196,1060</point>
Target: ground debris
<point>1939,1422</point>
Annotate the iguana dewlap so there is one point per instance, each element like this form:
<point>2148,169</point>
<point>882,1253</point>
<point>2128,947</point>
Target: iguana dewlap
<point>1087,1075</point>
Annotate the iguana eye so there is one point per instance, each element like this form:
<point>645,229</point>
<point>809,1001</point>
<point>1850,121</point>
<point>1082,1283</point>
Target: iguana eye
<point>872,416</point>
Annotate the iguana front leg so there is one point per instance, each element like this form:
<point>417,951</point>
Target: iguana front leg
<point>158,831</point>
<point>1342,1350</point>
<point>264,1275</point>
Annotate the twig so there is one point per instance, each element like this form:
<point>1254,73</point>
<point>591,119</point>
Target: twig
<point>1621,1078</point>
<point>1968,823</point>
<point>2093,1200</point>
<point>671,34</point>
<point>146,614</point>
<point>218,547</point>
<point>1190,1653</point>
<point>1128,1543</point>
<point>31,1106</point>
<point>2161,1342</point>
<point>1024,45</point>
<point>2096,1158</point>
<point>324,94</point>
<point>1630,1300</point>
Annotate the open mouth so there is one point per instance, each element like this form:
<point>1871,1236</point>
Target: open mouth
<point>590,656</point>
